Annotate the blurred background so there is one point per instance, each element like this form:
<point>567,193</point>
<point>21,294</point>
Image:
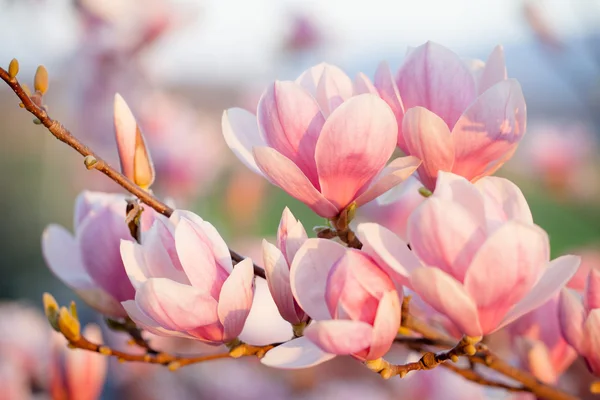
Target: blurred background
<point>179,64</point>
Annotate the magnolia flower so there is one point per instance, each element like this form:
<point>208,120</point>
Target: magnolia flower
<point>277,260</point>
<point>580,321</point>
<point>463,236</point>
<point>539,343</point>
<point>185,281</point>
<point>319,141</point>
<point>463,117</point>
<point>77,374</point>
<point>353,302</point>
<point>136,163</point>
<point>89,261</point>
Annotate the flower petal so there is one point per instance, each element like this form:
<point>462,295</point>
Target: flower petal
<point>309,273</point>
<point>63,257</point>
<point>436,78</point>
<point>521,252</point>
<point>134,262</point>
<point>455,188</point>
<point>282,172</point>
<point>296,354</point>
<point>290,235</point>
<point>241,133</point>
<point>447,296</point>
<point>395,173</point>
<point>145,322</point>
<point>290,120</point>
<point>503,200</point>
<point>278,278</point>
<point>388,91</point>
<point>556,276</point>
<point>385,327</point>
<point>333,89</point>
<point>428,138</point>
<point>591,297</point>
<point>571,315</point>
<point>362,85</point>
<point>494,70</point>
<point>591,341</point>
<point>490,128</point>
<point>363,133</point>
<point>236,298</point>
<point>341,337</point>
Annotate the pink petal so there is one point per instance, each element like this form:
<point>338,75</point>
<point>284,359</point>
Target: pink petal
<point>290,120</point>
<point>333,89</point>
<point>385,327</point>
<point>388,91</point>
<point>445,235</point>
<point>101,301</point>
<point>591,298</point>
<point>521,252</point>
<point>145,322</point>
<point>591,341</point>
<point>395,173</point>
<point>161,254</point>
<point>390,252</point>
<point>455,188</point>
<point>447,296</point>
<point>62,255</point>
<point>363,133</point>
<point>175,306</point>
<point>90,202</point>
<point>538,359</point>
<point>240,130</point>
<point>310,78</point>
<point>282,172</point>
<point>197,259</point>
<point>435,78</point>
<point>571,315</point>
<point>236,298</point>
<point>278,278</point>
<point>85,371</point>
<point>428,138</point>
<point>491,127</point>
<point>556,276</point>
<point>296,354</point>
<point>134,262</point>
<point>290,235</point>
<point>309,273</point>
<point>341,337</point>
<point>503,200</point>
<point>494,71</point>
<point>362,85</point>
<point>217,245</point>
<point>99,240</point>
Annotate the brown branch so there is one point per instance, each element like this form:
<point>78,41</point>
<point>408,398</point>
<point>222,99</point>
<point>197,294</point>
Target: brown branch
<point>93,160</point>
<point>485,357</point>
<point>473,376</point>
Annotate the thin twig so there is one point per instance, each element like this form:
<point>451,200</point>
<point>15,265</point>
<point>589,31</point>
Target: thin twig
<point>65,136</point>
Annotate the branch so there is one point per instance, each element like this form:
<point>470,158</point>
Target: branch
<point>92,160</point>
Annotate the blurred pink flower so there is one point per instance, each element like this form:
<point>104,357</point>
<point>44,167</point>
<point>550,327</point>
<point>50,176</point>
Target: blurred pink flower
<point>456,116</point>
<point>304,34</point>
<point>185,281</point>
<point>277,260</point>
<point>319,141</point>
<point>89,261</point>
<point>77,374</point>
<point>353,302</point>
<point>463,235</point>
<point>580,321</point>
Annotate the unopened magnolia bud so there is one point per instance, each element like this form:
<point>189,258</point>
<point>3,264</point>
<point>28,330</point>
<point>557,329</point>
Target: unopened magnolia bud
<point>68,325</point>
<point>52,310</point>
<point>90,161</point>
<point>73,310</point>
<point>13,68</point>
<point>423,191</point>
<point>40,82</point>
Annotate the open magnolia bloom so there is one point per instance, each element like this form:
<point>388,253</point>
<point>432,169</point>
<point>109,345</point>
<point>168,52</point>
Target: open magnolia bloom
<point>319,141</point>
<point>354,305</point>
<point>463,238</point>
<point>185,283</point>
<point>580,321</point>
<point>89,262</point>
<point>463,117</point>
<point>277,259</point>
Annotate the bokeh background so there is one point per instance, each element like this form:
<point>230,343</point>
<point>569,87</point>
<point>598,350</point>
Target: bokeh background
<point>179,64</point>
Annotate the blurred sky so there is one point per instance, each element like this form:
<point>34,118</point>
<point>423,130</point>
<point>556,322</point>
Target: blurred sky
<point>232,39</point>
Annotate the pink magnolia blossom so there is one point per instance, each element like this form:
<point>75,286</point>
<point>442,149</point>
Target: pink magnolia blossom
<point>89,261</point>
<point>463,117</point>
<point>185,281</point>
<point>77,374</point>
<point>353,302</point>
<point>461,238</point>
<point>580,321</point>
<point>539,343</point>
<point>320,141</point>
<point>277,260</point>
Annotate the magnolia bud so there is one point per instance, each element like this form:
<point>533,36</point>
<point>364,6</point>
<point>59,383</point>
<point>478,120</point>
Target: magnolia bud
<point>13,68</point>
<point>40,82</point>
<point>51,310</point>
<point>69,325</point>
